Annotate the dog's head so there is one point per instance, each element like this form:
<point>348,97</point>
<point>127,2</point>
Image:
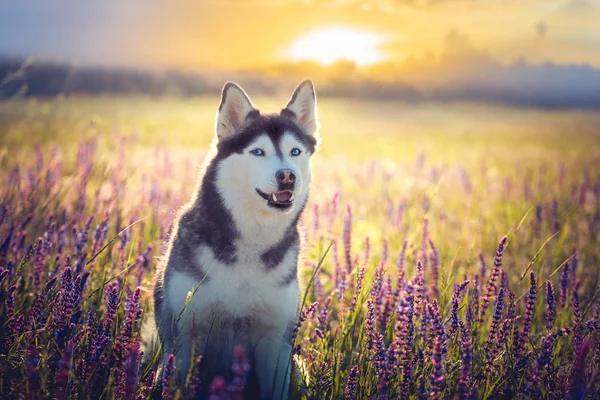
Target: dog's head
<point>264,160</point>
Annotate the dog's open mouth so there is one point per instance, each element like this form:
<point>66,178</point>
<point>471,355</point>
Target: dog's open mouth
<point>282,199</point>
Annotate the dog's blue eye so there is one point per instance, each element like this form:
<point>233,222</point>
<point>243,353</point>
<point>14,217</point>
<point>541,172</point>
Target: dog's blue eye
<point>258,152</point>
<point>296,152</point>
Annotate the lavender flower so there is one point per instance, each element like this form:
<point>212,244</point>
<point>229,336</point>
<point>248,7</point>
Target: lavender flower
<point>577,320</point>
<point>550,305</point>
<point>437,374</point>
<point>308,313</point>
<point>218,389</point>
<point>483,263</point>
<point>491,349</point>
<point>467,360</point>
<point>315,224</point>
<point>577,384</point>
<point>420,288</point>
<point>434,259</point>
<point>384,251</point>
<point>168,378</point>
<point>241,369</point>
<point>491,286</point>
<point>400,269</point>
<point>348,238</point>
<point>528,317</point>
<point>564,285</point>
<point>351,384</point>
<point>324,314</point>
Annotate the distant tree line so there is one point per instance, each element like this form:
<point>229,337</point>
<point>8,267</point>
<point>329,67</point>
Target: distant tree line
<point>45,79</point>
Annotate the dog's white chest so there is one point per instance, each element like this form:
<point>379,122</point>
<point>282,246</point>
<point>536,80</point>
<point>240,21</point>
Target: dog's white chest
<point>245,288</point>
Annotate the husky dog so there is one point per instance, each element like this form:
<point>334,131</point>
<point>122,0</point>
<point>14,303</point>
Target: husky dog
<point>229,276</point>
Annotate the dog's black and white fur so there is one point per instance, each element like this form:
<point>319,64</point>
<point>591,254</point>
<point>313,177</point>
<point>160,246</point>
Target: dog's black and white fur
<point>229,276</point>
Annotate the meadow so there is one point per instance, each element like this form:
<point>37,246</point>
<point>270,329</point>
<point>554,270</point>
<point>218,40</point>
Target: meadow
<point>450,251</point>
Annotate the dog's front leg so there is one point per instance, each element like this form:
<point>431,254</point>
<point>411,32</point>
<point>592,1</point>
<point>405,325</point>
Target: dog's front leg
<point>273,367</point>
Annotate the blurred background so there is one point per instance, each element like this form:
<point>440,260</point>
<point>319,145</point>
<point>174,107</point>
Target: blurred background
<point>535,53</point>
<point>413,70</point>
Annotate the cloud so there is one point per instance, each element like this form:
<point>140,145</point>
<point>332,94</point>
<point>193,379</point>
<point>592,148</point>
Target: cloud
<point>461,73</point>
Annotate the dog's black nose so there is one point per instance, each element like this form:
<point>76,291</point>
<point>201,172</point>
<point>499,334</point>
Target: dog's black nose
<point>285,176</point>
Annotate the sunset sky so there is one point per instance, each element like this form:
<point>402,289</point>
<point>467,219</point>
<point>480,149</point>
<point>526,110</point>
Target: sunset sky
<point>239,34</point>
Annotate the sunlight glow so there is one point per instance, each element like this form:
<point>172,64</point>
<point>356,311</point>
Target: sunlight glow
<point>329,45</point>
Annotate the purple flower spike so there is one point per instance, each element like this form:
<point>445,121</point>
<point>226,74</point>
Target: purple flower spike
<point>491,348</point>
<point>241,369</point>
<point>351,384</point>
<point>550,305</point>
<point>437,374</point>
<point>491,285</point>
<point>467,360</point>
<point>168,378</point>
<point>564,285</point>
<point>348,239</point>
<point>527,319</point>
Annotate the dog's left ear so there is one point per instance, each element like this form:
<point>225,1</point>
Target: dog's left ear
<point>234,112</point>
<point>302,108</point>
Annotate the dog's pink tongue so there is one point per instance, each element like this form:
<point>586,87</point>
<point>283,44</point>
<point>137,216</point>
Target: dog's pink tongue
<point>283,196</point>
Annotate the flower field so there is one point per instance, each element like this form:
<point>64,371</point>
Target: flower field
<point>457,264</point>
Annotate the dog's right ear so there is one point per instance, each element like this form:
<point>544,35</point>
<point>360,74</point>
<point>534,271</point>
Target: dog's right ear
<point>234,111</point>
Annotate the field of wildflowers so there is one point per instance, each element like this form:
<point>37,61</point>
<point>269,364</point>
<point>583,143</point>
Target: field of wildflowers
<point>446,272</point>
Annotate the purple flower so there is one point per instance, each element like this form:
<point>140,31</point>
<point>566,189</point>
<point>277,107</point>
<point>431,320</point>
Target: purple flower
<point>241,369</point>
<point>577,320</point>
<point>324,314</point>
<point>308,313</point>
<point>401,269</point>
<point>503,334</point>
<point>547,345</point>
<point>564,285</point>
<point>550,305</point>
<point>437,374</point>
<point>351,384</point>
<point>528,317</point>
<point>333,213</point>
<point>491,285</point>
<point>217,390</point>
<point>434,258</point>
<point>384,251</point>
<point>347,235</point>
<point>367,253</point>
<point>195,383</point>
<point>38,305</point>
<point>132,364</point>
<point>119,384</point>
<point>99,236</point>
<point>168,378</point>
<point>420,288</point>
<point>483,263</point>
<point>111,307</point>
<point>38,263</point>
<point>577,383</point>
<point>315,219</point>
<point>574,265</point>
<point>467,360</point>
<point>491,348</point>
<point>62,374</point>
<point>370,325</point>
<point>388,305</point>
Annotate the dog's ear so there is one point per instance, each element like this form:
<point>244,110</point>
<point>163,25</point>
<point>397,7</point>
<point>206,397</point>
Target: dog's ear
<point>234,111</point>
<point>302,108</point>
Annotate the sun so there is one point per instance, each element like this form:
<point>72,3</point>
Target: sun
<point>328,45</point>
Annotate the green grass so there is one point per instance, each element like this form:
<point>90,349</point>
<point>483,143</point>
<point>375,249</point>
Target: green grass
<point>525,168</point>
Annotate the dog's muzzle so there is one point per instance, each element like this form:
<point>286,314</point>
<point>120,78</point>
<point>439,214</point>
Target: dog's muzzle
<point>282,200</point>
